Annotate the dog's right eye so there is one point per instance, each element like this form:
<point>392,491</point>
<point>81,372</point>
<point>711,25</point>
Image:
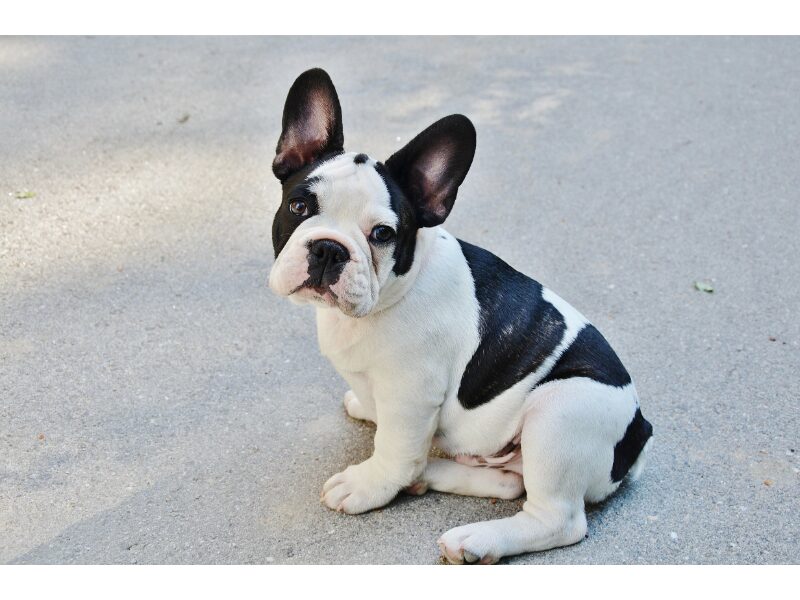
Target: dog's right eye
<point>382,234</point>
<point>299,207</point>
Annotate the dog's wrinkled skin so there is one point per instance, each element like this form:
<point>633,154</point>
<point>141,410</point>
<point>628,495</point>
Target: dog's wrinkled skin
<point>441,342</point>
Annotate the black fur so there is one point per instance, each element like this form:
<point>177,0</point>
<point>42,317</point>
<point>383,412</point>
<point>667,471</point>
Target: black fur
<point>431,166</point>
<point>518,328</point>
<point>285,221</point>
<point>311,126</point>
<point>630,446</point>
<point>406,239</point>
<point>590,355</point>
<point>422,177</point>
<point>326,261</point>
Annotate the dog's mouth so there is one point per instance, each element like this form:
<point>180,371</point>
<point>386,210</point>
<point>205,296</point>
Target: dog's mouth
<point>312,291</point>
<point>324,296</point>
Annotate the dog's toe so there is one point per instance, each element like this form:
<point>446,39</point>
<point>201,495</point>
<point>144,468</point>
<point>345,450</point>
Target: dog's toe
<point>452,556</point>
<point>471,544</point>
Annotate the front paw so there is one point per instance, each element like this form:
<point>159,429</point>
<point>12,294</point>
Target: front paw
<point>357,489</point>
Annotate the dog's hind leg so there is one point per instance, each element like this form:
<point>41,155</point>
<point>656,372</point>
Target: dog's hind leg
<point>536,527</point>
<point>445,475</point>
<point>568,438</point>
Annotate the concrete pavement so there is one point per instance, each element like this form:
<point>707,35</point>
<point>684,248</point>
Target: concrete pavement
<point>159,405</point>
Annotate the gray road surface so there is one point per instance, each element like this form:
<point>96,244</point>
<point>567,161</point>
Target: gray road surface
<point>159,405</point>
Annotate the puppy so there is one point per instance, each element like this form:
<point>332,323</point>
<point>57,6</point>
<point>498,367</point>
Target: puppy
<point>441,342</point>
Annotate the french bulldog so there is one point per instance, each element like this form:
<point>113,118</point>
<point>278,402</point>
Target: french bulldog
<point>441,342</point>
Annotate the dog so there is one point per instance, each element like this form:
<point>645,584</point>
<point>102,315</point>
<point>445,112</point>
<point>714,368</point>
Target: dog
<point>441,342</point>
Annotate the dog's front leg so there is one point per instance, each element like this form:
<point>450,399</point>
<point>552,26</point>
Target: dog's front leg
<point>406,425</point>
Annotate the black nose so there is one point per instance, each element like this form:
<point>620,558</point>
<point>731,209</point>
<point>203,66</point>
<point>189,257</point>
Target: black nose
<point>326,260</point>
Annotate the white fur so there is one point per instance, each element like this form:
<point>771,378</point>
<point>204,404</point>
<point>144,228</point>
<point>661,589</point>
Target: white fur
<point>402,344</point>
<point>353,199</point>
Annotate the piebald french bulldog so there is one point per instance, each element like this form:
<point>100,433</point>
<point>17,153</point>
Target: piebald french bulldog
<point>441,342</point>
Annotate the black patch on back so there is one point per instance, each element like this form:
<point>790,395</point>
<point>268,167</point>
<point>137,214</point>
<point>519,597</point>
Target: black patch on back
<point>518,328</point>
<point>406,239</point>
<point>285,222</point>
<point>590,355</point>
<point>360,159</point>
<point>630,446</point>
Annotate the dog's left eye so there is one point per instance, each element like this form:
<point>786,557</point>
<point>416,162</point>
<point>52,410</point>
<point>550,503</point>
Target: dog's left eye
<point>381,234</point>
<point>299,207</point>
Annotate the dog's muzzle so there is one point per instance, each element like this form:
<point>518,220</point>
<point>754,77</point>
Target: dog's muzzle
<point>326,261</point>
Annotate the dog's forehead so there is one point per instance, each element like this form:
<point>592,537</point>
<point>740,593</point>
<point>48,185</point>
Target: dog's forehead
<point>349,182</point>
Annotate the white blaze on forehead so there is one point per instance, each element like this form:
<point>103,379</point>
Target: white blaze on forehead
<point>341,165</point>
<point>352,193</point>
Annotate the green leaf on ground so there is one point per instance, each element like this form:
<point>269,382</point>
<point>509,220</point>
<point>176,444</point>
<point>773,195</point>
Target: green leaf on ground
<point>24,194</point>
<point>704,287</point>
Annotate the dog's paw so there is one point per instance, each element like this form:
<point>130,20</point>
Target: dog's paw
<point>473,544</point>
<point>355,409</point>
<point>357,489</point>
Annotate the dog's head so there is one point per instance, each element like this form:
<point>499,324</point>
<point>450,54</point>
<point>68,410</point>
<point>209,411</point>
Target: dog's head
<point>347,224</point>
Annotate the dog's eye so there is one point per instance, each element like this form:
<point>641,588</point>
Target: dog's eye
<point>381,234</point>
<point>299,207</point>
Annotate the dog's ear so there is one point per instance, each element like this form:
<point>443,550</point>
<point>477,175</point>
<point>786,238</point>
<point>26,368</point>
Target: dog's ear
<point>312,124</point>
<point>430,167</point>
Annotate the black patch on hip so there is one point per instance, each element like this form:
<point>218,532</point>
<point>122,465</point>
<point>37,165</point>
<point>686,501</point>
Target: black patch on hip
<point>518,328</point>
<point>630,446</point>
<point>360,159</point>
<point>590,355</point>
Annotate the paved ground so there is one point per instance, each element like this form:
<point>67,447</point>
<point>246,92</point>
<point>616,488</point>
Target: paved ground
<point>159,404</point>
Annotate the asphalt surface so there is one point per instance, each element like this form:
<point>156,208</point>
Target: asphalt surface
<point>159,405</point>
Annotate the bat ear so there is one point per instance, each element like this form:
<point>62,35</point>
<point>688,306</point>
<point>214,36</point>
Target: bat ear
<point>430,167</point>
<point>312,124</point>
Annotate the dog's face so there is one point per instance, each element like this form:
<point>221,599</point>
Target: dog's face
<point>347,224</point>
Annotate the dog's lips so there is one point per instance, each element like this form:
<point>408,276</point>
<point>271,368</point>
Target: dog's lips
<point>316,292</point>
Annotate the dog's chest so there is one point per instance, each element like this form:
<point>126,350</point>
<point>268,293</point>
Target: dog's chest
<point>344,342</point>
